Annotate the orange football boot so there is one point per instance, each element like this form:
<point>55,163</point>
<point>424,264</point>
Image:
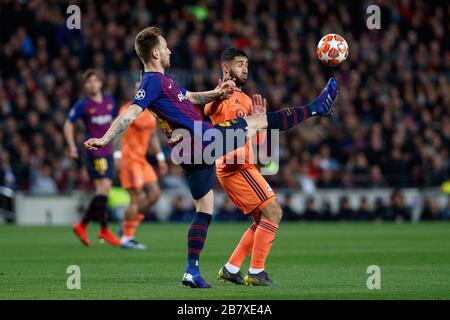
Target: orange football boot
<point>80,231</point>
<point>108,236</point>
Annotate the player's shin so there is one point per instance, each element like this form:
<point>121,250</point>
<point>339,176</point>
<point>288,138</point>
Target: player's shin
<point>264,236</point>
<point>197,233</point>
<point>242,250</point>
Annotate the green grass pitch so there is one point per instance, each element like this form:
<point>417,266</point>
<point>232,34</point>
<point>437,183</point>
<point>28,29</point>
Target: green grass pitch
<point>308,261</point>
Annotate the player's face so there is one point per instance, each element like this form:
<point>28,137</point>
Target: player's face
<point>164,53</point>
<point>93,85</point>
<point>238,69</point>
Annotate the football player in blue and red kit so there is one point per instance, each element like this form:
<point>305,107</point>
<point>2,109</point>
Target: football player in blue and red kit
<point>97,111</point>
<point>174,108</point>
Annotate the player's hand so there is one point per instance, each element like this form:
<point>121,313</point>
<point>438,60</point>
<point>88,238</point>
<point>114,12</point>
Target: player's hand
<point>94,143</point>
<point>73,153</point>
<point>163,167</point>
<point>225,88</point>
<point>259,104</point>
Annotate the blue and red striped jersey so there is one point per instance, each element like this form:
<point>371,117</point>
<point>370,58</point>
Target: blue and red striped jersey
<point>167,101</point>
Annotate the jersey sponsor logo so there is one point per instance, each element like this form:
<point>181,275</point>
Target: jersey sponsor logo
<point>102,119</point>
<point>181,97</point>
<point>140,94</point>
<point>226,124</point>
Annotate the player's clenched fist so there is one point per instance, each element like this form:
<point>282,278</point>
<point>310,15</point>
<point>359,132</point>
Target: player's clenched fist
<point>94,144</point>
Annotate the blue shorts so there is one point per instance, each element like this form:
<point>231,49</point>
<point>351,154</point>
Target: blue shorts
<point>100,167</point>
<point>200,178</point>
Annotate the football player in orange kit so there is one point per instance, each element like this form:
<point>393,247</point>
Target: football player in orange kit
<point>243,182</point>
<point>137,175</point>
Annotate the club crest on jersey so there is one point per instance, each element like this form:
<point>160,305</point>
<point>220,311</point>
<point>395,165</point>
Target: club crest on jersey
<point>240,113</point>
<point>110,107</point>
<point>140,94</point>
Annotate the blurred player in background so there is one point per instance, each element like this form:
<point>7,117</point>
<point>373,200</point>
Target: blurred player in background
<point>97,111</point>
<point>243,182</point>
<point>136,174</point>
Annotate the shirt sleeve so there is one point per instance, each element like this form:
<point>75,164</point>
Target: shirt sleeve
<point>77,111</point>
<point>149,91</point>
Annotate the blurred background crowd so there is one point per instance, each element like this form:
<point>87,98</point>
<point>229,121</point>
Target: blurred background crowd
<point>391,129</point>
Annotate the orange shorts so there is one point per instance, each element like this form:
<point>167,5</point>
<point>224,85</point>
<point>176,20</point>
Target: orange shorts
<point>136,174</point>
<point>248,190</point>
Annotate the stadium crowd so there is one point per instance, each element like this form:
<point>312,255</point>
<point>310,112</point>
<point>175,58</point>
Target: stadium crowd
<point>391,128</point>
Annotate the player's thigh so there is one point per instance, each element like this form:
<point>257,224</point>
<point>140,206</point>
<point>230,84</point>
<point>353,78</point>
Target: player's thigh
<point>206,203</point>
<point>131,175</point>
<point>248,190</point>
<point>102,186</point>
<point>200,179</point>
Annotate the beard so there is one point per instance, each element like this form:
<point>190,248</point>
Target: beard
<point>166,65</point>
<point>239,82</point>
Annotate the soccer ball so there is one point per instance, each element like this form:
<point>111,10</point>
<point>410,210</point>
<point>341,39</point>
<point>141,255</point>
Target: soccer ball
<point>332,49</point>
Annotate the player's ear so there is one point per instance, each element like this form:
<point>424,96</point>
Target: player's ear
<point>155,53</point>
<point>226,68</point>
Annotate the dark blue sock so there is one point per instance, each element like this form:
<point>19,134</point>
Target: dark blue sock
<point>196,239</point>
<point>289,117</point>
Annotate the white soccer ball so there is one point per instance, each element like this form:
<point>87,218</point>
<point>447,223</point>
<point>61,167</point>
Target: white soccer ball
<point>332,49</point>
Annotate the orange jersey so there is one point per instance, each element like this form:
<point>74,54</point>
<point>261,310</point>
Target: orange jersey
<point>137,136</point>
<point>238,105</point>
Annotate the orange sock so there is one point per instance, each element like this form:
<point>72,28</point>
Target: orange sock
<point>264,236</point>
<point>244,247</point>
<point>129,228</point>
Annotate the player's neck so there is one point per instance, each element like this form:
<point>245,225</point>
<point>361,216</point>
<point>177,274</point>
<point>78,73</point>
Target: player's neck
<point>97,97</point>
<point>153,68</point>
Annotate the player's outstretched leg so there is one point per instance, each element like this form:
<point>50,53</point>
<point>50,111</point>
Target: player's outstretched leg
<point>196,240</point>
<point>289,117</point>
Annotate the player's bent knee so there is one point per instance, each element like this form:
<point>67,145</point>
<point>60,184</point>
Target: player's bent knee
<point>273,212</point>
<point>102,186</point>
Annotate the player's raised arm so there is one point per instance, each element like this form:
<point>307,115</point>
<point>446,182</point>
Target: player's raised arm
<point>118,126</point>
<point>223,90</point>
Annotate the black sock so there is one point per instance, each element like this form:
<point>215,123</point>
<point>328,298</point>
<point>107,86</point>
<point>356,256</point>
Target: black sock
<point>287,118</point>
<point>97,211</point>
